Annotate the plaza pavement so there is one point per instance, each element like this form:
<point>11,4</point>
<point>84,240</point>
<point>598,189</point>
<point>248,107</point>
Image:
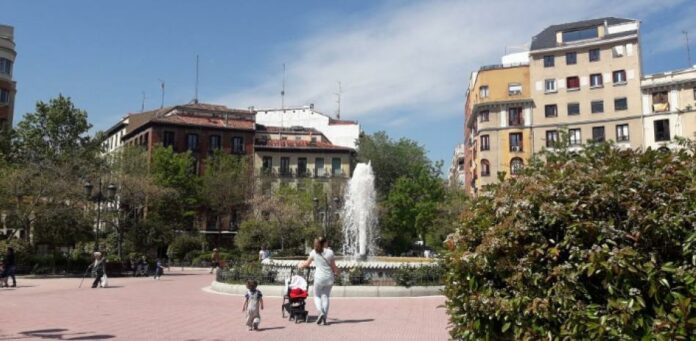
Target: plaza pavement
<point>177,308</point>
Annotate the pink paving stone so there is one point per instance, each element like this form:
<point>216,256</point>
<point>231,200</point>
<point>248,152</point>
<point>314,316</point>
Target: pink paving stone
<point>176,308</point>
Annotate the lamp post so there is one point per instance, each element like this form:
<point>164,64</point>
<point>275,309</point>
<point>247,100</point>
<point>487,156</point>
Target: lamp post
<point>98,198</point>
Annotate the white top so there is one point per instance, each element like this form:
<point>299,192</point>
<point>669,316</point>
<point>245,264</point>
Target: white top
<point>324,273</point>
<point>263,254</point>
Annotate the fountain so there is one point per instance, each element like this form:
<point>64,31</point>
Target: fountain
<point>359,214</point>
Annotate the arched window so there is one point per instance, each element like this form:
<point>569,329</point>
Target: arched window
<point>516,165</point>
<point>485,168</point>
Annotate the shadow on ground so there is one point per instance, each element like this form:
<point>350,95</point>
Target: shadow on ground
<point>59,334</point>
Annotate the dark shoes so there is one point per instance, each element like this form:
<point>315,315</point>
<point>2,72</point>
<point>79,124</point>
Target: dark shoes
<point>322,320</point>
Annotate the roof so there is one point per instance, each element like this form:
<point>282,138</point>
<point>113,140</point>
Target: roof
<point>333,121</point>
<point>302,145</point>
<point>547,38</point>
<point>193,114</point>
<point>290,130</point>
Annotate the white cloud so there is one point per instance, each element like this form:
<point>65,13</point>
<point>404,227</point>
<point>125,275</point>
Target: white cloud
<point>415,60</point>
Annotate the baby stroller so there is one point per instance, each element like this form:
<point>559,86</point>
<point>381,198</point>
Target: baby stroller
<point>294,296</point>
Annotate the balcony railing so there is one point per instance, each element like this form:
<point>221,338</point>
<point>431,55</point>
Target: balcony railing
<point>661,107</point>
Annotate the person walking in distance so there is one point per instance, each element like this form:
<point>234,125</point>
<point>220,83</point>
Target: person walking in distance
<point>326,270</point>
<point>215,260</point>
<point>10,266</point>
<point>253,304</point>
<point>264,253</point>
<point>97,269</point>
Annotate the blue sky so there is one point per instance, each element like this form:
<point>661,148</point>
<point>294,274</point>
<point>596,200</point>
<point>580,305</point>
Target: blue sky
<point>404,65</point>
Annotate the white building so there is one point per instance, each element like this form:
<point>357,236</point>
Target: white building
<point>340,132</point>
<point>669,107</point>
<point>457,171</point>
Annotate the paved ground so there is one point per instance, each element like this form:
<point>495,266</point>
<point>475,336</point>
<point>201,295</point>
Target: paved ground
<point>176,308</point>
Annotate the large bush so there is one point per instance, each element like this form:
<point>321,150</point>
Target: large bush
<point>591,245</point>
<point>183,245</point>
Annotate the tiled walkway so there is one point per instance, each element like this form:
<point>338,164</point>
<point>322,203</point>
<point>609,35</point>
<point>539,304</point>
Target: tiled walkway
<point>175,308</point>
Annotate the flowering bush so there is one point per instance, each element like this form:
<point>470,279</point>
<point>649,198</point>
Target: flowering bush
<point>598,244</point>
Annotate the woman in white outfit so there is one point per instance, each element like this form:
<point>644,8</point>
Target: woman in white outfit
<point>326,269</point>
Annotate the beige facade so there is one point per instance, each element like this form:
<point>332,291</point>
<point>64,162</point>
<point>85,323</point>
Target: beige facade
<point>591,87</point>
<point>8,87</point>
<point>669,107</point>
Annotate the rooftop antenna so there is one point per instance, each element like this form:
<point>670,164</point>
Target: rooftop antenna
<point>338,101</point>
<point>282,92</point>
<point>195,98</point>
<point>688,50</point>
<point>162,87</point>
<point>142,105</point>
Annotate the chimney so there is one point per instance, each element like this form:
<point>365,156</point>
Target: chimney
<point>311,106</point>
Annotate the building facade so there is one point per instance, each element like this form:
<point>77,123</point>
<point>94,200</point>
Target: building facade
<point>499,120</point>
<point>585,78</point>
<point>340,132</point>
<point>8,87</point>
<point>669,107</point>
<point>457,171</point>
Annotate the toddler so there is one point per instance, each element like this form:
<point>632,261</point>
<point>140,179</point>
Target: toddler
<point>253,302</point>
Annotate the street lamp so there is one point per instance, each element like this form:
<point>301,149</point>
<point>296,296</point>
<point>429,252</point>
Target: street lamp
<point>98,198</point>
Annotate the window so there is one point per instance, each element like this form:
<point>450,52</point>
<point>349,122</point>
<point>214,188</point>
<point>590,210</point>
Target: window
<point>301,166</point>
<point>214,143</point>
<point>192,142</point>
<point>267,165</point>
<point>597,107</point>
<point>516,165</point>
<point>617,51</point>
<point>574,137</point>
<point>4,96</point>
<point>336,166</point>
<point>549,61</point>
<point>168,139</point>
<point>485,142</point>
<point>598,134</point>
<point>573,109</point>
<point>514,89</point>
<point>660,102</point>
<point>551,138</point>
<point>594,55</point>
<point>573,83</point>
<point>483,91</point>
<point>571,58</point>
<point>621,132</point>
<point>485,168</point>
<point>515,117</point>
<point>319,166</point>
<point>619,77</point>
<point>484,116</point>
<point>596,80</point>
<point>515,142</point>
<point>661,130</point>
<point>238,145</point>
<point>551,110</point>
<point>620,104</point>
<point>694,93</point>
<point>285,166</point>
<point>581,34</point>
<point>5,66</point>
<point>550,85</point>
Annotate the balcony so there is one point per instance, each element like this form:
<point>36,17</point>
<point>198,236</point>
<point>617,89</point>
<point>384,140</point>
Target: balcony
<point>661,107</point>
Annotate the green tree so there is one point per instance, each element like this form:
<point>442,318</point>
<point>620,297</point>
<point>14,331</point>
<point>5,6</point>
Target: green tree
<point>175,171</point>
<point>412,208</point>
<point>599,244</point>
<point>391,159</point>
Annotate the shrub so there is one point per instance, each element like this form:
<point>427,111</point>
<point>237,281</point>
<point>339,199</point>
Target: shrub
<point>422,275</point>
<point>597,245</point>
<point>183,245</point>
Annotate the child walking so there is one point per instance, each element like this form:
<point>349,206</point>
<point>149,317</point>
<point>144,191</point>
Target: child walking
<point>252,304</point>
<point>159,269</point>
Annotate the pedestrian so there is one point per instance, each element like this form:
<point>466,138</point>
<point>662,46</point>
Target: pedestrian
<point>215,260</point>
<point>142,267</point>
<point>253,304</point>
<point>159,269</point>
<point>97,269</point>
<point>326,270</point>
<point>10,264</point>
<point>3,278</point>
<point>264,253</point>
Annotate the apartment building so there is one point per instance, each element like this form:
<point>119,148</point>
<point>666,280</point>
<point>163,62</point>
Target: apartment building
<point>8,87</point>
<point>669,107</point>
<point>585,77</point>
<point>498,122</point>
<point>456,177</point>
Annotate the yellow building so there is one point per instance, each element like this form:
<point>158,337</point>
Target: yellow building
<point>498,122</point>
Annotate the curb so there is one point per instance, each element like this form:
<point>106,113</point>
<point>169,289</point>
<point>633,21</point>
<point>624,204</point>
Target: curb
<point>337,291</point>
